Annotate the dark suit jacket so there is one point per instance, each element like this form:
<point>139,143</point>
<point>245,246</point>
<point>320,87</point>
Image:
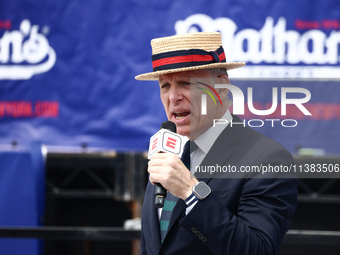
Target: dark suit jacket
<point>241,215</point>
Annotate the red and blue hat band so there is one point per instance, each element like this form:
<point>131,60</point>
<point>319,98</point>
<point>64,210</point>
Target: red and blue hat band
<point>186,58</point>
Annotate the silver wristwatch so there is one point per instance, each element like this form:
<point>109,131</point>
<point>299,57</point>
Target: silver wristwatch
<point>201,190</point>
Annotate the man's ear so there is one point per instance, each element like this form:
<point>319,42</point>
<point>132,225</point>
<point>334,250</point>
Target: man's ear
<point>224,78</point>
<point>223,92</point>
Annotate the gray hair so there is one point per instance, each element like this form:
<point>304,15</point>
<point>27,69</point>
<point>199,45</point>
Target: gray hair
<point>216,72</point>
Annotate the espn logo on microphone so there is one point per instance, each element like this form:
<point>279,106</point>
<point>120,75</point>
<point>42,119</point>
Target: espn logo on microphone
<point>165,141</point>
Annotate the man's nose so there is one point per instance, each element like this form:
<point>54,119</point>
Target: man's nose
<point>176,94</point>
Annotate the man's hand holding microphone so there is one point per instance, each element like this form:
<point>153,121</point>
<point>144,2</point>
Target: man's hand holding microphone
<point>165,166</point>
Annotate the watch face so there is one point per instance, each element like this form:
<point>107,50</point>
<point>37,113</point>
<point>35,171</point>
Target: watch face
<point>202,190</point>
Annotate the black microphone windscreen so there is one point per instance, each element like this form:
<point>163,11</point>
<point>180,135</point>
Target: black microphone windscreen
<point>169,125</point>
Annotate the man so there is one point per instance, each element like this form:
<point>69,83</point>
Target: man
<point>213,213</point>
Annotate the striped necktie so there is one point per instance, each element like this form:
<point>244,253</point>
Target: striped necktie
<point>170,200</point>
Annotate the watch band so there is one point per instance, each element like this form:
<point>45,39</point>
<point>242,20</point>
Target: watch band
<point>191,199</point>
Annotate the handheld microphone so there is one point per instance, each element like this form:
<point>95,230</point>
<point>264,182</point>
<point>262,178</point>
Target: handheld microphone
<point>165,140</point>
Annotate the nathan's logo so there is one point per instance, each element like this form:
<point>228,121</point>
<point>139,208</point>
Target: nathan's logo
<point>25,52</point>
<point>274,45</point>
<point>204,97</point>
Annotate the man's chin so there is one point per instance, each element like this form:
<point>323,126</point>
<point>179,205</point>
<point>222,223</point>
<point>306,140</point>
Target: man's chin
<point>185,131</point>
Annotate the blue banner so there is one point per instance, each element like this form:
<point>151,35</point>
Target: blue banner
<point>67,67</point>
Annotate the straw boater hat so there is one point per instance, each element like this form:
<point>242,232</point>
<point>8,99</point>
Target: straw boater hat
<point>187,52</point>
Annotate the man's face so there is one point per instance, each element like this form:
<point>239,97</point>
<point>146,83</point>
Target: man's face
<point>182,102</point>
